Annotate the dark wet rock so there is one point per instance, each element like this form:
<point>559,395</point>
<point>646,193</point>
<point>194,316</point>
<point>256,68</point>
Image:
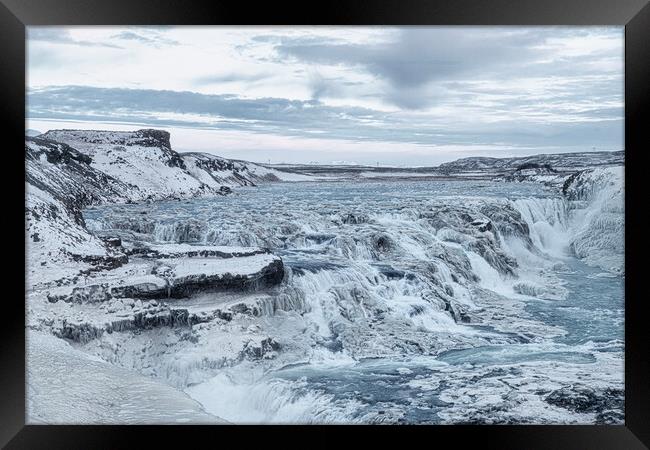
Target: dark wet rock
<point>536,166</point>
<point>301,267</point>
<point>164,283</point>
<point>141,291</point>
<point>82,332</point>
<point>568,183</point>
<point>270,275</point>
<point>507,220</point>
<point>149,317</point>
<point>354,219</point>
<point>416,310</point>
<point>87,294</point>
<point>456,311</point>
<point>382,243</point>
<point>111,241</point>
<point>611,417</point>
<point>483,225</point>
<point>112,260</point>
<point>264,349</point>
<point>319,238</point>
<point>583,399</point>
<point>391,273</point>
<point>152,138</point>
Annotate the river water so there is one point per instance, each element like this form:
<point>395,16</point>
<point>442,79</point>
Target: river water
<point>424,302</point>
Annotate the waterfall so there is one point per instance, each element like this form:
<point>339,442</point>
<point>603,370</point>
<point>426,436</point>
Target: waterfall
<point>389,274</point>
<point>549,223</point>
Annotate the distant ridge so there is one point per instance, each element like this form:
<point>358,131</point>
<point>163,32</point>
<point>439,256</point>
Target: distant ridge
<point>561,163</point>
<point>557,161</point>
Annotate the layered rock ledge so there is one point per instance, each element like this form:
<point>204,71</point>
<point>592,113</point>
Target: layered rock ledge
<point>178,274</point>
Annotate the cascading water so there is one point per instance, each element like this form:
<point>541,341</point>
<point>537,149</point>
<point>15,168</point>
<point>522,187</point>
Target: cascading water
<point>403,272</point>
<point>548,220</point>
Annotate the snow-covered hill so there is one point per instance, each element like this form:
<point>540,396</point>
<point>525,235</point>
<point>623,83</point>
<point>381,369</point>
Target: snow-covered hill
<point>68,170</point>
<point>215,169</point>
<point>144,161</point>
<point>560,162</point>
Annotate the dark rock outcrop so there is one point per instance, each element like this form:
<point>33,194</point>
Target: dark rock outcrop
<point>265,349</point>
<point>270,275</point>
<point>608,403</point>
<point>152,316</point>
<point>163,284</point>
<point>354,219</point>
<point>199,252</point>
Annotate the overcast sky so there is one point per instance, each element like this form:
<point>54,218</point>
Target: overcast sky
<point>403,96</point>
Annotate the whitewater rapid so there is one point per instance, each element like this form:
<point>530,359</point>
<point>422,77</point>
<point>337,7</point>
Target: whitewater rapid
<point>407,301</point>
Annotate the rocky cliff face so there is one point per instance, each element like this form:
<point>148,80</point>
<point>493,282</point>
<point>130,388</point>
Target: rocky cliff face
<point>68,170</point>
<point>142,162</point>
<point>60,181</point>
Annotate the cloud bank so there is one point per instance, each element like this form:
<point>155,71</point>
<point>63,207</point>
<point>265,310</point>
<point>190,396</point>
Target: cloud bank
<point>544,88</point>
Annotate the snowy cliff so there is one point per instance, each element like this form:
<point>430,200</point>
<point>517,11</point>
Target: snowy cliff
<point>68,170</point>
<point>60,181</point>
<point>145,163</point>
<point>597,198</point>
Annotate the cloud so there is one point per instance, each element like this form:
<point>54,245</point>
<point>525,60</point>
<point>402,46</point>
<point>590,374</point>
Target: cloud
<point>150,38</point>
<point>58,35</point>
<point>587,126</point>
<point>231,77</point>
<point>520,88</point>
<point>418,57</point>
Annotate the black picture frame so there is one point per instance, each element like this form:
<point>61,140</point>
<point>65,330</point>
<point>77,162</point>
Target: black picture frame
<point>15,15</point>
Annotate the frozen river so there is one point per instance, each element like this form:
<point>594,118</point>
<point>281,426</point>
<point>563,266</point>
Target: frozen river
<point>413,302</point>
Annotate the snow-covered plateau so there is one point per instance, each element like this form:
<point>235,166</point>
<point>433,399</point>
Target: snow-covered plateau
<point>165,287</point>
